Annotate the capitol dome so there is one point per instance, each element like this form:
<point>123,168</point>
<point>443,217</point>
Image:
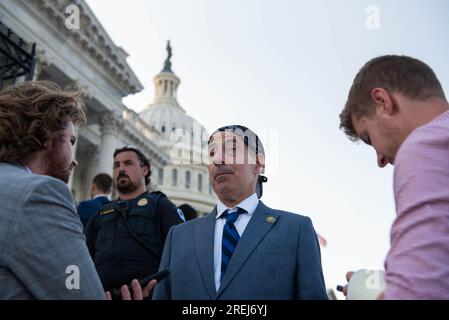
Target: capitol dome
<point>184,139</point>
<point>168,117</point>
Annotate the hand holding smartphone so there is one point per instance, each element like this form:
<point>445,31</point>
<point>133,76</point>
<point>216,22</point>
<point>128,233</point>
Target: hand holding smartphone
<point>116,292</point>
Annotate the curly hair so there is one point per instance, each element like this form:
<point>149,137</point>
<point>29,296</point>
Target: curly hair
<point>408,76</point>
<point>30,113</point>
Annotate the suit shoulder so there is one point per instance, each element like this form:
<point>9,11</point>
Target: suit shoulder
<point>84,203</point>
<point>92,202</point>
<point>24,190</point>
<point>39,181</point>
<point>28,183</point>
<point>189,225</point>
<point>290,216</point>
<point>89,204</point>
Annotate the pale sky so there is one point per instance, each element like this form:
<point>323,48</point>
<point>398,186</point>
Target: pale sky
<point>285,68</point>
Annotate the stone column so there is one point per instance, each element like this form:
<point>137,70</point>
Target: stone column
<point>42,62</point>
<point>92,153</point>
<point>85,95</point>
<point>109,125</point>
<point>75,148</point>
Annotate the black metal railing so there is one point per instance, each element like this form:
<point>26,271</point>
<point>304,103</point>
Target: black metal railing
<point>17,58</point>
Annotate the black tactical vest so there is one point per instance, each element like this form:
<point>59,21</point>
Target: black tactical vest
<point>128,241</point>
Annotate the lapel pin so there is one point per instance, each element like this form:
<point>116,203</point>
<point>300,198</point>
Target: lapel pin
<point>270,219</point>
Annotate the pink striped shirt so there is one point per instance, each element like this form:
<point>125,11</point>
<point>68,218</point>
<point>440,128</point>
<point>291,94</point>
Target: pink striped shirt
<point>417,266</point>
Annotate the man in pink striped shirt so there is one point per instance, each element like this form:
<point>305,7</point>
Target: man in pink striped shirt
<point>397,105</point>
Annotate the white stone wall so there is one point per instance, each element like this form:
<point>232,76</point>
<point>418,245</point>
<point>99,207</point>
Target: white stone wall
<point>88,59</point>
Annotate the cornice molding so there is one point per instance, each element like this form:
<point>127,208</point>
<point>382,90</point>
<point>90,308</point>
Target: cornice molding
<point>92,38</point>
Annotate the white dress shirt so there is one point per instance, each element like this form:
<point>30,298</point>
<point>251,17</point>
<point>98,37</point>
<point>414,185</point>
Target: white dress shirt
<point>249,204</point>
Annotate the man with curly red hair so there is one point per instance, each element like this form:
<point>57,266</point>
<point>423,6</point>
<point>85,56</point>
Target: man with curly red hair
<point>43,254</point>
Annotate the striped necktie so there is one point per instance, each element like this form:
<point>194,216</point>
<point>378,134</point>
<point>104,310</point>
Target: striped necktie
<point>230,238</point>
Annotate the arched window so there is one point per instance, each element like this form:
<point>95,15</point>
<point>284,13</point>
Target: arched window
<point>160,176</point>
<point>200,182</point>
<point>163,129</point>
<point>187,182</point>
<point>174,178</point>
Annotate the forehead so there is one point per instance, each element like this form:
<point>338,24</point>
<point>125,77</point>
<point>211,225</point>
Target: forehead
<point>226,136</point>
<point>359,124</point>
<point>67,133</point>
<point>126,155</point>
<point>69,130</point>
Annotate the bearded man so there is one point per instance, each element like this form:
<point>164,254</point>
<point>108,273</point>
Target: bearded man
<point>126,236</point>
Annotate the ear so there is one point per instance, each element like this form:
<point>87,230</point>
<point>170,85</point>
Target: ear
<point>146,169</point>
<point>260,164</point>
<point>384,101</point>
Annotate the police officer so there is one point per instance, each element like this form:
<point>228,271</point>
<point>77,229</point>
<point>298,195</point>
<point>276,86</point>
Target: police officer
<point>126,236</point>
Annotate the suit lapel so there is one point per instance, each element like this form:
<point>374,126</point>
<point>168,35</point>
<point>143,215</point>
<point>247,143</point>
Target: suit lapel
<point>254,232</point>
<point>204,247</point>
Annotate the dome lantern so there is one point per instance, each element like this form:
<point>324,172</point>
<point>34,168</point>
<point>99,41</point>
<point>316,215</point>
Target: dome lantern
<point>166,82</point>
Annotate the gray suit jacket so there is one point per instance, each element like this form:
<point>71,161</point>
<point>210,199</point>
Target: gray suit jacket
<point>40,237</point>
<point>273,260</point>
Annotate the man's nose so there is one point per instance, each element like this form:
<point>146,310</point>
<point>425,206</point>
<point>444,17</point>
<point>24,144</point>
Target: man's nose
<point>75,163</point>
<point>218,158</point>
<point>119,167</point>
<point>381,160</point>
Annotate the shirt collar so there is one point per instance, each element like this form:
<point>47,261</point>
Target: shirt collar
<point>101,195</point>
<point>249,204</point>
<point>442,116</point>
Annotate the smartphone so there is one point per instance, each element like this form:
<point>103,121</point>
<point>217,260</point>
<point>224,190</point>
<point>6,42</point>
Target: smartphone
<point>116,292</point>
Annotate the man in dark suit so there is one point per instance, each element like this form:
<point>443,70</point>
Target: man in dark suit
<point>242,249</point>
<point>100,191</point>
